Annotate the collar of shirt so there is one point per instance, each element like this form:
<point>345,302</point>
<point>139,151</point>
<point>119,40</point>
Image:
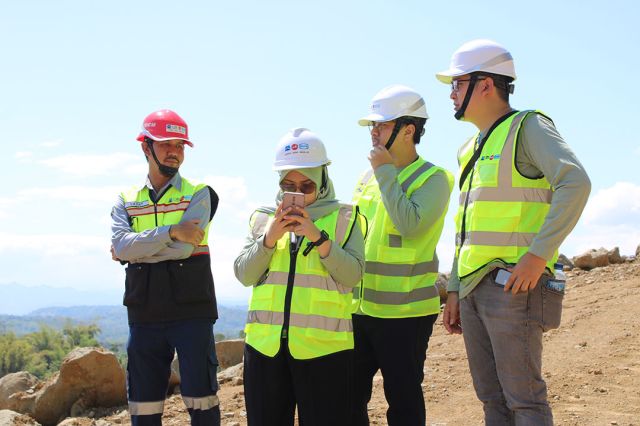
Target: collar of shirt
<point>175,181</point>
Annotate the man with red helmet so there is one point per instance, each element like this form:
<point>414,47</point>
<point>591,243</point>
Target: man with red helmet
<point>161,229</point>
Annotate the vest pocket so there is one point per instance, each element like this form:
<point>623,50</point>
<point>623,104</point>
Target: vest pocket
<point>191,280</point>
<point>135,285</point>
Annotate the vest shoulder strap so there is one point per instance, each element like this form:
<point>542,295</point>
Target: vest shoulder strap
<point>347,217</point>
<point>366,177</point>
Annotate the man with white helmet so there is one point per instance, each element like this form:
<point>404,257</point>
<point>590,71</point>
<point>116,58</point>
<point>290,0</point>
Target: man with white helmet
<point>522,191</point>
<point>299,334</point>
<point>161,230</point>
<point>405,199</point>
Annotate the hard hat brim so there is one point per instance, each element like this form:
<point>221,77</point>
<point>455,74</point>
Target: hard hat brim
<point>374,118</point>
<point>446,76</point>
<point>297,166</point>
<point>142,135</point>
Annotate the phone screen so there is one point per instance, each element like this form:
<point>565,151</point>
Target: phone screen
<point>292,199</point>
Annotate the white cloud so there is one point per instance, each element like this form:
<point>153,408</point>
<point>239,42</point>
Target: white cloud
<point>6,204</point>
<point>584,238</point>
<point>615,206</point>
<point>85,165</point>
<point>224,250</point>
<point>78,193</point>
<point>610,219</point>
<point>234,196</point>
<point>21,155</point>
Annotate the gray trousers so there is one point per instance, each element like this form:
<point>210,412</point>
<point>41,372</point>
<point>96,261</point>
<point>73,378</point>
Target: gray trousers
<point>503,337</point>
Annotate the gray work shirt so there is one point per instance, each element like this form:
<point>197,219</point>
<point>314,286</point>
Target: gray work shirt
<point>541,151</point>
<point>412,215</point>
<point>155,245</point>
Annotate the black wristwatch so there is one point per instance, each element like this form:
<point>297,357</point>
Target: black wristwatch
<point>310,245</point>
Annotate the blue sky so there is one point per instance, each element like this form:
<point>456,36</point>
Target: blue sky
<point>78,78</point>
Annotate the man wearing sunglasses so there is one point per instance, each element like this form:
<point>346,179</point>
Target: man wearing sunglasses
<point>405,199</point>
<point>522,191</point>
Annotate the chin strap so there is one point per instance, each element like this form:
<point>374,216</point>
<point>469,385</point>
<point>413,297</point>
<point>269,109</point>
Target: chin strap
<point>459,115</point>
<point>396,128</point>
<point>165,170</point>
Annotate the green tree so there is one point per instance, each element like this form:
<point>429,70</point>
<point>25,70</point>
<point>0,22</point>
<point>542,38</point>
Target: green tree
<point>14,354</point>
<point>80,335</point>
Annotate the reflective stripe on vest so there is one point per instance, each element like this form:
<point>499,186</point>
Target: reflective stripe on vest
<point>319,316</point>
<point>168,210</point>
<point>400,272</point>
<point>504,210</point>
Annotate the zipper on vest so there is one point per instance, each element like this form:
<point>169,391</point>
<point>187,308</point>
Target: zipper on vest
<point>154,200</point>
<point>293,254</point>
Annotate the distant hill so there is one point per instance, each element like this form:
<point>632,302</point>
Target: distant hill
<point>17,299</point>
<point>111,319</point>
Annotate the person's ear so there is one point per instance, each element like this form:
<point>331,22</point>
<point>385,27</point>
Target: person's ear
<point>409,130</point>
<point>487,86</point>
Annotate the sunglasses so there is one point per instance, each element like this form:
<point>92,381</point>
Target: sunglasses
<point>304,187</point>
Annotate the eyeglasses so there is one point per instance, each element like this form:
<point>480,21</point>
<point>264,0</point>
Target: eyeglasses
<point>379,126</point>
<point>308,187</point>
<point>455,84</point>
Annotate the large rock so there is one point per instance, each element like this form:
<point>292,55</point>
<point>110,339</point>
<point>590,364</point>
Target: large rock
<point>638,252</point>
<point>614,256</point>
<point>592,259</point>
<point>231,374</point>
<point>11,418</point>
<point>15,382</point>
<point>441,285</point>
<point>174,378</point>
<point>565,261</point>
<point>88,376</point>
<point>230,352</point>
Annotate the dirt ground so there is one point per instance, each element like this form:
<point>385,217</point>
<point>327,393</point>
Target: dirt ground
<point>591,363</point>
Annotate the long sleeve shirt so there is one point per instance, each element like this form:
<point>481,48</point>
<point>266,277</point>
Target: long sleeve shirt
<point>344,264</point>
<point>413,215</point>
<point>155,245</point>
<point>541,151</point>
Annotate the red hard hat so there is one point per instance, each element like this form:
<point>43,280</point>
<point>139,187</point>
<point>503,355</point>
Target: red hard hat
<point>164,125</point>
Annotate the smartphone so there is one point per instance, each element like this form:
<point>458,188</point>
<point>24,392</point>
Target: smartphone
<point>290,199</point>
<point>502,277</point>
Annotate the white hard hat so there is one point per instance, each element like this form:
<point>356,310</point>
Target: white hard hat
<point>395,101</point>
<point>300,148</point>
<point>479,55</point>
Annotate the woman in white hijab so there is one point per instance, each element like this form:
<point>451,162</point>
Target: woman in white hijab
<point>302,263</point>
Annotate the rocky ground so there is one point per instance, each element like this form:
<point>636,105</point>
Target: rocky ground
<point>591,364</point>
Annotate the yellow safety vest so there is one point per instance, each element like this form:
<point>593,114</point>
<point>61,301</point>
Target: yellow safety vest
<point>168,210</point>
<point>400,272</point>
<point>319,315</point>
<point>502,210</point>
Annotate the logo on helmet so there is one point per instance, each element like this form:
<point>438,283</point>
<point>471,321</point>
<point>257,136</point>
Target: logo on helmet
<point>174,128</point>
<point>297,147</point>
